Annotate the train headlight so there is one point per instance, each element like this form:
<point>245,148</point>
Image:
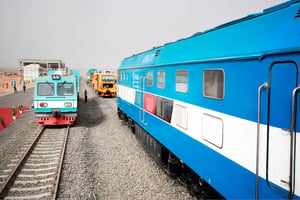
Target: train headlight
<point>43,105</point>
<point>55,76</point>
<point>68,104</point>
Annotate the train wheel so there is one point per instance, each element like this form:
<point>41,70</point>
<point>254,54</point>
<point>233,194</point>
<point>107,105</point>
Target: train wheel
<point>131,125</point>
<point>120,114</point>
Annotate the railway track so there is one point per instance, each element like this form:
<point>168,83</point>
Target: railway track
<point>36,174</point>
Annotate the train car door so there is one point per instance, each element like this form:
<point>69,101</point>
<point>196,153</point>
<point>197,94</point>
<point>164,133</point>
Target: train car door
<point>281,147</point>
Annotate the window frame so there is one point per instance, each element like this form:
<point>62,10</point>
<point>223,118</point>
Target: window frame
<point>45,83</point>
<point>164,78</point>
<point>62,83</point>
<point>187,83</point>
<point>148,75</point>
<point>164,108</point>
<point>107,80</point>
<point>223,88</point>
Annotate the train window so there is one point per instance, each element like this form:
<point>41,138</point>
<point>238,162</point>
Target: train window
<point>45,89</point>
<point>150,78</point>
<point>108,78</point>
<point>213,84</point>
<point>136,80</point>
<point>65,89</point>
<point>164,108</point>
<point>127,77</point>
<point>181,116</point>
<point>182,81</point>
<point>161,79</point>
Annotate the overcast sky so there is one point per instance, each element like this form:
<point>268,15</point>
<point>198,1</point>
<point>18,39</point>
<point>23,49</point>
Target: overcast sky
<point>100,33</point>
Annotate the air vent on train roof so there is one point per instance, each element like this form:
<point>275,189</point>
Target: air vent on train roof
<point>298,13</point>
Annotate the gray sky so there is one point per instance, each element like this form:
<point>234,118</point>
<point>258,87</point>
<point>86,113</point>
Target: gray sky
<point>100,33</point>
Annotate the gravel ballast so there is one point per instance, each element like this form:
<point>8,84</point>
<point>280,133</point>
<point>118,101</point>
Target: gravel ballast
<point>105,161</point>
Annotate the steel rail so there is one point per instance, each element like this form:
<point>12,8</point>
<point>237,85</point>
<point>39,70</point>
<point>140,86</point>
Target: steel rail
<point>9,180</point>
<point>59,167</point>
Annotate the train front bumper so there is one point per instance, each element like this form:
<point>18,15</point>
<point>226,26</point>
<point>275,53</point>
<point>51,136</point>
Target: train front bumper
<point>55,118</point>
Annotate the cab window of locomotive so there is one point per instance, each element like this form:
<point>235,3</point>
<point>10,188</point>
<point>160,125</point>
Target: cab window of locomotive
<point>182,81</point>
<point>107,78</point>
<point>45,89</point>
<point>65,89</point>
<point>161,79</point>
<point>150,78</point>
<point>213,84</point>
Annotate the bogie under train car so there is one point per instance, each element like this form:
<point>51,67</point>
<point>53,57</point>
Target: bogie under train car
<point>223,105</point>
<point>55,100</point>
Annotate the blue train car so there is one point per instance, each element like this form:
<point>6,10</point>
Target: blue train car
<point>55,100</point>
<point>76,74</point>
<point>89,76</point>
<point>223,103</point>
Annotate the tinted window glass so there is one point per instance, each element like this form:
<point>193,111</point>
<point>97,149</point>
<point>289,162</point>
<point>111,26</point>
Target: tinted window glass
<point>150,78</point>
<point>182,81</point>
<point>107,78</point>
<point>45,89</point>
<point>65,89</point>
<point>161,79</point>
<point>214,84</point>
<point>164,109</point>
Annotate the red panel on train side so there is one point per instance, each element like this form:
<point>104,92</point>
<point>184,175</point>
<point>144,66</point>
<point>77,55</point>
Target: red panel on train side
<point>149,102</point>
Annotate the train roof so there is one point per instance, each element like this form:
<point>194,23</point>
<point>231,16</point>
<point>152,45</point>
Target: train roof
<point>92,70</point>
<point>49,78</point>
<point>275,30</point>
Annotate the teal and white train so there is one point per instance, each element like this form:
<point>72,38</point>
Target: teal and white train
<point>56,99</point>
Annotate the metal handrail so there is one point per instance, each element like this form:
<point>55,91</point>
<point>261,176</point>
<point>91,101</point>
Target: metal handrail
<point>263,86</point>
<point>293,143</point>
<point>290,194</point>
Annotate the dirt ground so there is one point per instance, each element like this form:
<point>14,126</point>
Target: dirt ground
<point>8,79</point>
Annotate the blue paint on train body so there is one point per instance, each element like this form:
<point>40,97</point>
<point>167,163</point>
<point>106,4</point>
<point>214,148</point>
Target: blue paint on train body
<point>257,49</point>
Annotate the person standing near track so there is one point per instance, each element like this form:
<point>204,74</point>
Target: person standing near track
<point>85,96</point>
<point>15,89</point>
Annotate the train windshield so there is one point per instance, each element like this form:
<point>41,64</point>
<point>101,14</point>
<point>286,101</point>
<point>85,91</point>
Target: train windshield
<point>45,89</point>
<point>65,89</point>
<point>108,85</point>
<point>108,78</point>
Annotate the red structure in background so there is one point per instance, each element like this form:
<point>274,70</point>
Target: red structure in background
<point>6,115</point>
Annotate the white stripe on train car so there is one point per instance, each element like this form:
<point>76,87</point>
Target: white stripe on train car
<point>54,104</point>
<point>233,137</point>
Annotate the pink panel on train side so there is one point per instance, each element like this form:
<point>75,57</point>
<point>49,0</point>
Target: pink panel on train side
<point>149,102</point>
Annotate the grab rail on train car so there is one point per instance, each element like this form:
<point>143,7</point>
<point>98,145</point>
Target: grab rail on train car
<point>142,111</point>
<point>293,136</point>
<point>263,86</point>
<point>144,121</point>
<point>291,181</point>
